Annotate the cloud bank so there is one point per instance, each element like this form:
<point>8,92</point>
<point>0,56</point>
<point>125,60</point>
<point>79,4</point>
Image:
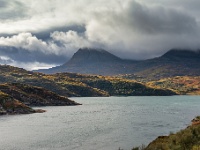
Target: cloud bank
<point>48,32</point>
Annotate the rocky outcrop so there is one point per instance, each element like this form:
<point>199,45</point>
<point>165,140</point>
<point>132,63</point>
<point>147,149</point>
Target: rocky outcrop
<point>2,110</point>
<point>35,96</point>
<point>18,98</point>
<point>9,105</point>
<point>196,121</point>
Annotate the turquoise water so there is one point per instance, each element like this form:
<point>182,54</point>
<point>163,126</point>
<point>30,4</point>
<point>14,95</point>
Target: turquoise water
<point>99,124</point>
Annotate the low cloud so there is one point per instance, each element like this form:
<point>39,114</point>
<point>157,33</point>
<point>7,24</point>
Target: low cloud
<point>70,39</point>
<point>160,20</point>
<point>32,65</point>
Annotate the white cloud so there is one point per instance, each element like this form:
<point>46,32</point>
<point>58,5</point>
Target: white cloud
<point>5,60</point>
<point>28,66</point>
<point>31,43</point>
<point>70,39</point>
<point>31,65</point>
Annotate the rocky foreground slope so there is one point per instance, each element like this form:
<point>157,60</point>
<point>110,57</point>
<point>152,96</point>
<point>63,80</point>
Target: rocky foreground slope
<point>16,98</point>
<point>9,105</point>
<point>187,139</point>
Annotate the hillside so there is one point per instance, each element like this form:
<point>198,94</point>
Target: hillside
<point>173,63</point>
<point>35,96</point>
<point>69,88</point>
<point>113,86</point>
<point>187,139</point>
<point>181,84</point>
<point>69,84</point>
<point>100,62</point>
<point>18,98</point>
<point>9,105</point>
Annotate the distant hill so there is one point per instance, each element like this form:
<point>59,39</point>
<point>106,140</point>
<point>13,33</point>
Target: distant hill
<point>182,54</point>
<point>72,84</point>
<point>171,64</point>
<point>64,86</point>
<point>92,61</point>
<point>181,84</point>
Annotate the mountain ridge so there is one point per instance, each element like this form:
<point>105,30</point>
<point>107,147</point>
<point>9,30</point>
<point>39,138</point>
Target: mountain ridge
<point>100,62</point>
<point>91,61</point>
<point>182,53</point>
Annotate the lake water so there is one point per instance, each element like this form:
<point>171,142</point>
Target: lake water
<point>99,124</point>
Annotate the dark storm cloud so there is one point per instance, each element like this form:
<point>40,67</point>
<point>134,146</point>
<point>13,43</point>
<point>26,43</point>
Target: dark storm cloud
<point>160,20</point>
<point>22,55</point>
<point>12,10</point>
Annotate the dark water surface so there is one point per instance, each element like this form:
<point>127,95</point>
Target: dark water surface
<point>99,124</point>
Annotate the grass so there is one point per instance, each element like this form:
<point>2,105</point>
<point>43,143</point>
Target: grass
<point>187,139</point>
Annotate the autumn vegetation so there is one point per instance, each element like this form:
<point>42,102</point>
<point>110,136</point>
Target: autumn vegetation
<point>182,85</point>
<point>23,89</point>
<point>187,139</point>
<point>72,84</point>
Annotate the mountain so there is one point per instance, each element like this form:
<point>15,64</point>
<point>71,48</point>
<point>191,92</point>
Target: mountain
<point>92,61</point>
<point>173,63</point>
<point>87,56</point>
<point>182,54</point>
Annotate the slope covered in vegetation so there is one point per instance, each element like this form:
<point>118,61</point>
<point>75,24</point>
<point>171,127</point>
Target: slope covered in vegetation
<point>116,86</point>
<point>16,98</point>
<point>69,87</point>
<point>35,96</point>
<point>187,139</point>
<point>71,84</point>
<point>9,105</point>
<point>181,84</point>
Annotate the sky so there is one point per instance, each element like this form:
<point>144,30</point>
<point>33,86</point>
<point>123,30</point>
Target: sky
<point>37,34</point>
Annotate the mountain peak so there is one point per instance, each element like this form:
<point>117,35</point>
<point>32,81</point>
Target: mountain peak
<point>182,53</point>
<point>90,55</point>
<point>91,49</point>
